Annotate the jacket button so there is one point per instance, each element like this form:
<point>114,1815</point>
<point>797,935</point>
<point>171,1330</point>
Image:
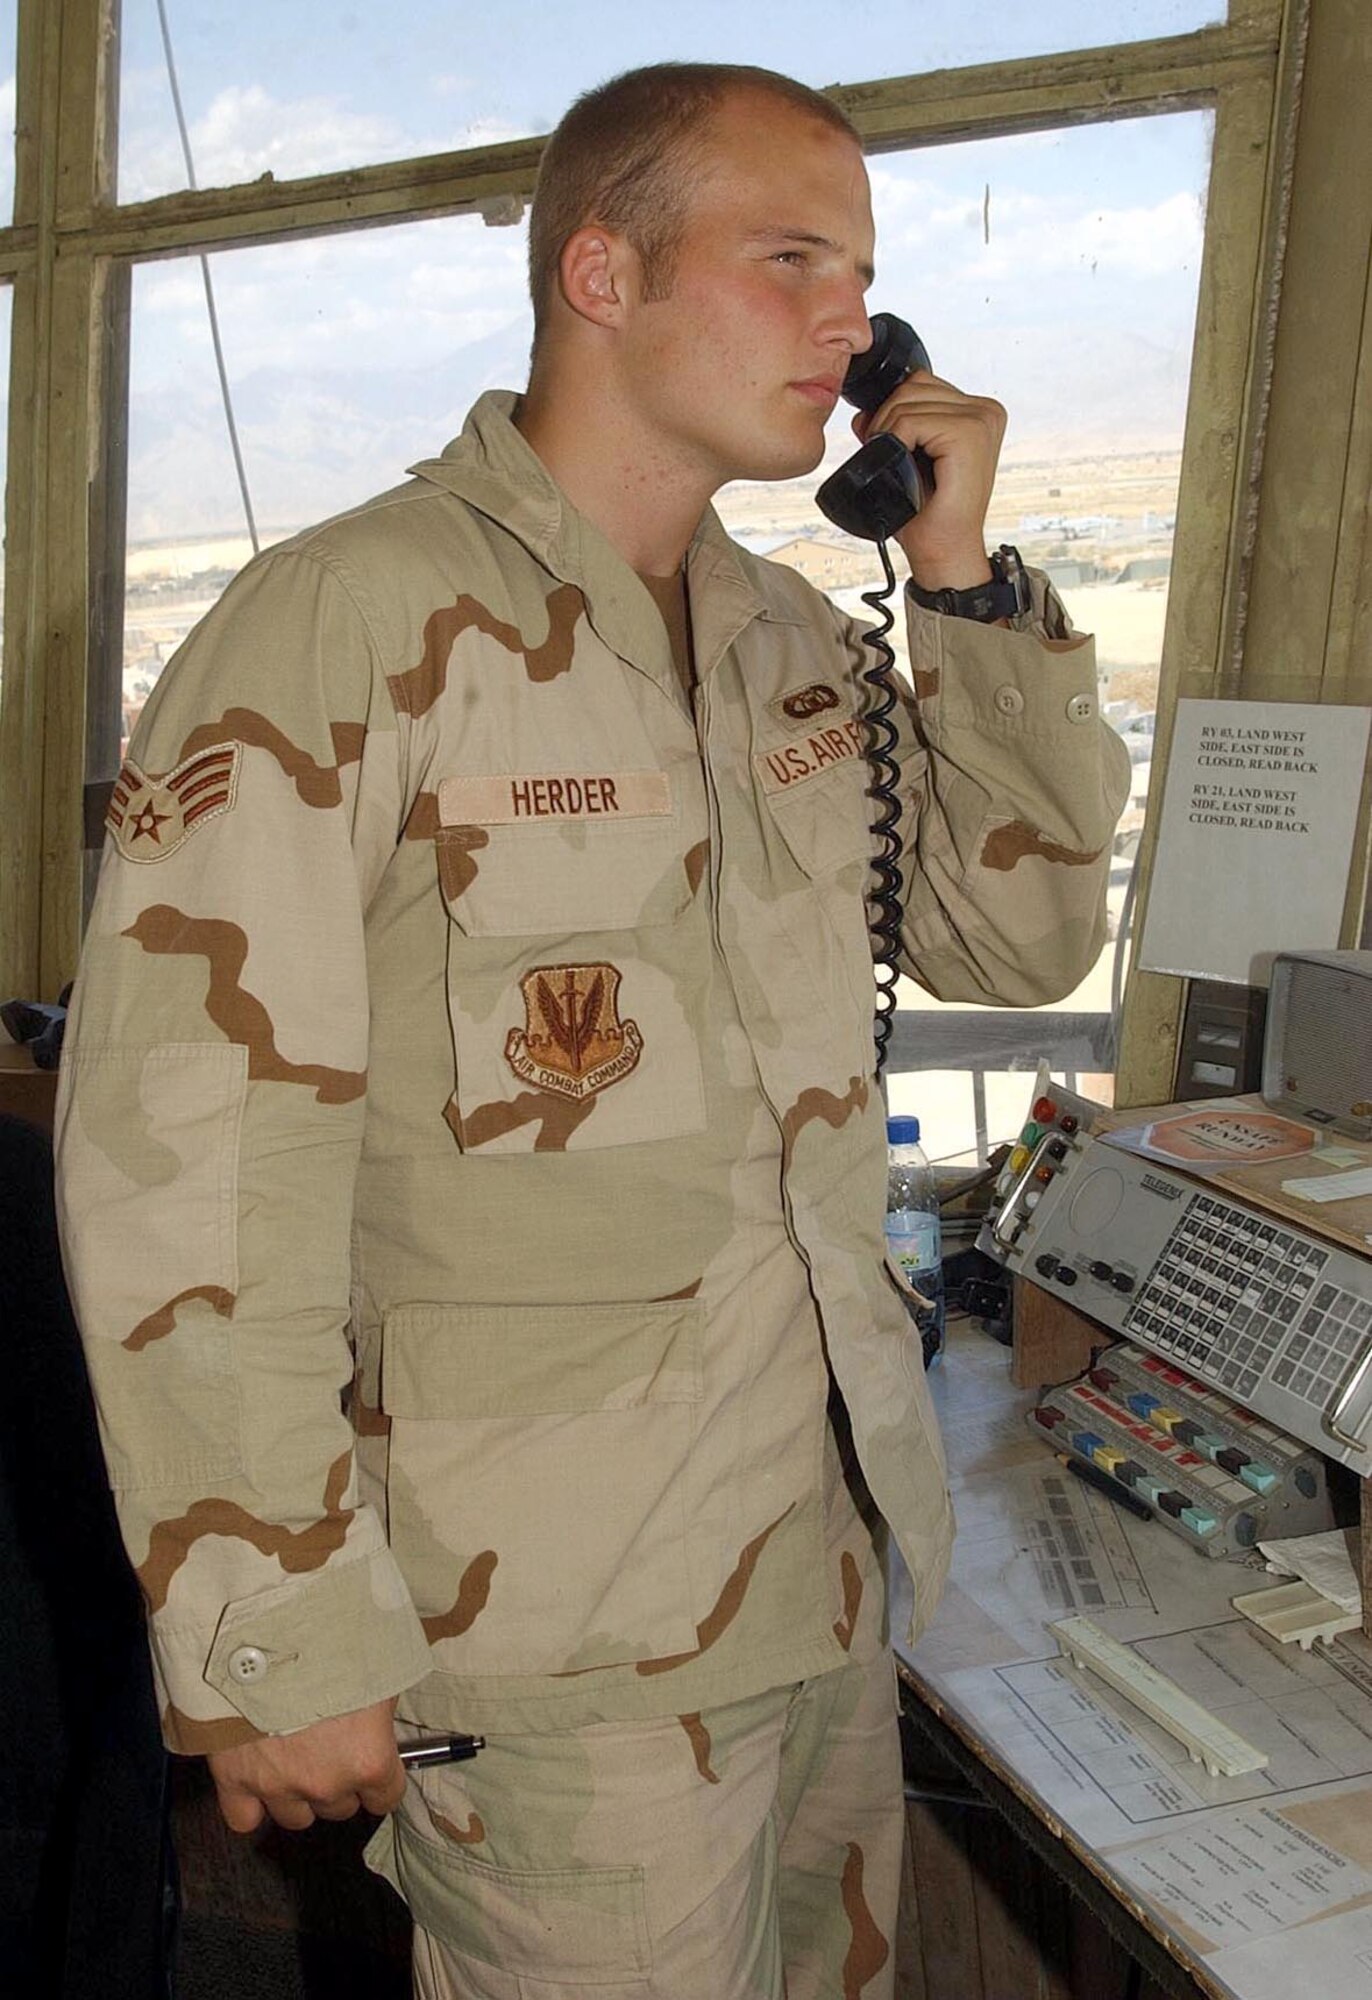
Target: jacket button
<point>1080,708</point>
<point>1009,701</point>
<point>247,1663</point>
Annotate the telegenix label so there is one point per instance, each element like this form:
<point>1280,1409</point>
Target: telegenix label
<point>792,763</point>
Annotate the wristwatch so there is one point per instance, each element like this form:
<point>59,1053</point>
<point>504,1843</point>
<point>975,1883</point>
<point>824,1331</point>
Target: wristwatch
<point>1007,595</point>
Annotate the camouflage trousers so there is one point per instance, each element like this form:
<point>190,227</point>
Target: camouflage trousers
<point>748,1853</point>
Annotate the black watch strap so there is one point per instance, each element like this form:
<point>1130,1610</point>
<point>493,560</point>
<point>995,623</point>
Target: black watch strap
<point>1006,595</point>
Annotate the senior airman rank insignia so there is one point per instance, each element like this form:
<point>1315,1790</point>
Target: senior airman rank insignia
<point>150,816</point>
<point>572,1041</point>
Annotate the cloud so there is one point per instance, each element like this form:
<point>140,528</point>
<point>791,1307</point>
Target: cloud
<point>245,132</point>
<point>373,301</point>
<point>1042,234</point>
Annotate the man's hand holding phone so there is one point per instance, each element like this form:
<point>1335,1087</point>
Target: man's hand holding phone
<point>927,465</point>
<point>945,542</point>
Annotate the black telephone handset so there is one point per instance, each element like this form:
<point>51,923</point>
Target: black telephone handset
<point>884,485</point>
<point>872,495</point>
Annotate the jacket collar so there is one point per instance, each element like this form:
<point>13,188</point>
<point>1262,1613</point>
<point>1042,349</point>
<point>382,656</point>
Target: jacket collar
<point>495,470</point>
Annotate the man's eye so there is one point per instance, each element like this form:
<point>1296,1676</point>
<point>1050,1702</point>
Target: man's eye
<point>796,257</point>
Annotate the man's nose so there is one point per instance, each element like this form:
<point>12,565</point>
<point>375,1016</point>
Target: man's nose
<point>851,323</point>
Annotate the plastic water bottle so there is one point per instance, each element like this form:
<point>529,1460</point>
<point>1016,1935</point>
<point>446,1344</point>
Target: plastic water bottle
<point>912,1231</point>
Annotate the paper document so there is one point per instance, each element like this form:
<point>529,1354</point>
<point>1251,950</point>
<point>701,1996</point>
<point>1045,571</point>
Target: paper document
<point>1256,836</point>
<point>1325,1562</point>
<point>1331,1187</point>
<point>1245,1875</point>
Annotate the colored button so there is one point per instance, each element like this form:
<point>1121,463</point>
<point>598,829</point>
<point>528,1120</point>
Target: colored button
<point>1031,1134</point>
<point>1019,1159</point>
<point>1045,1111</point>
<point>1260,1477</point>
<point>1198,1522</point>
<point>1086,1442</point>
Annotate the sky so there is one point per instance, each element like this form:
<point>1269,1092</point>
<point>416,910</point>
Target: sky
<point>351,356</point>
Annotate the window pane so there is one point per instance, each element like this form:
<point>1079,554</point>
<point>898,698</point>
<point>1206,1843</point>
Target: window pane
<point>264,88</point>
<point>348,358</point>
<point>8,31</point>
<point>1057,272</point>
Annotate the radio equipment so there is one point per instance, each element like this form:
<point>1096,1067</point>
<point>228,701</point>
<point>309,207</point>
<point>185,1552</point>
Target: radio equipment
<point>1244,1301</point>
<point>1317,1050</point>
<point>1218,1476</point>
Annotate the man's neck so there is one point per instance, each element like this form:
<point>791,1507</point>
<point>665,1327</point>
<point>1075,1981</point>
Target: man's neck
<point>646,507</point>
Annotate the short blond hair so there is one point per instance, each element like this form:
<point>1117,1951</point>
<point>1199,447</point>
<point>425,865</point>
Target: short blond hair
<point>624,157</point>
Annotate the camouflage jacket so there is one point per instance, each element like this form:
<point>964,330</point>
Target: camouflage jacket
<point>469,1147</point>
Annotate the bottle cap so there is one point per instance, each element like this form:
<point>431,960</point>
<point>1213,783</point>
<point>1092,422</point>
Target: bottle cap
<point>902,1131</point>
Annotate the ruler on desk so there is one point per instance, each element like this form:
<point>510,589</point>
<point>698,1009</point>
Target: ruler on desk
<point>1223,1752</point>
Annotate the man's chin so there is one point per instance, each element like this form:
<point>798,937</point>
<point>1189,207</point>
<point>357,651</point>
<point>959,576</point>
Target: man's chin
<point>779,462</point>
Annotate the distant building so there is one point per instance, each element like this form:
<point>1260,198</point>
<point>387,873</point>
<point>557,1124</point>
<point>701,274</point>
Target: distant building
<point>826,564</point>
<point>1145,569</point>
<point>1069,575</point>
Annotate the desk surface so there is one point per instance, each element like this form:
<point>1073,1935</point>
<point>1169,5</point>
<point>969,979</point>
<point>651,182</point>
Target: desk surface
<point>1254,1883</point>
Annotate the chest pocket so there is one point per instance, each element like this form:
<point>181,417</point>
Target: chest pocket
<point>815,781</point>
<point>574,954</point>
<point>563,877</point>
<point>823,814</point>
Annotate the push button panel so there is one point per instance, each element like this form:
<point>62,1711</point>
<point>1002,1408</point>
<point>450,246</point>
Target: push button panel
<point>1273,1316</point>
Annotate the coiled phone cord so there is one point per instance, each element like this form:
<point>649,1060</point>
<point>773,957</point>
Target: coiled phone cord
<point>884,910</point>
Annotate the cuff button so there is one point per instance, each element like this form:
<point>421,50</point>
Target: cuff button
<point>1009,701</point>
<point>1080,708</point>
<point>247,1663</point>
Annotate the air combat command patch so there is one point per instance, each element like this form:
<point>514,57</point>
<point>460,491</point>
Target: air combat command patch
<point>150,816</point>
<point>573,1041</point>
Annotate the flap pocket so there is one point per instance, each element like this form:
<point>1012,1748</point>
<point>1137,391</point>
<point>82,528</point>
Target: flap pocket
<point>590,1923</point>
<point>457,1361</point>
<point>822,813</point>
<point>545,1449</point>
<point>567,872</point>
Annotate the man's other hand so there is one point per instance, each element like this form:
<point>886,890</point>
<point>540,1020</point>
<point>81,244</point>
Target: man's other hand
<point>327,1771</point>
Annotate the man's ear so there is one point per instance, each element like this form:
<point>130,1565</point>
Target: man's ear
<point>592,271</point>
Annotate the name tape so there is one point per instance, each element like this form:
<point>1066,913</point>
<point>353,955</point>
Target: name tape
<point>542,795</point>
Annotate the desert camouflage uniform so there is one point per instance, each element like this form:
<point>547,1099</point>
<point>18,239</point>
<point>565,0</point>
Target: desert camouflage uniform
<point>470,1152</point>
